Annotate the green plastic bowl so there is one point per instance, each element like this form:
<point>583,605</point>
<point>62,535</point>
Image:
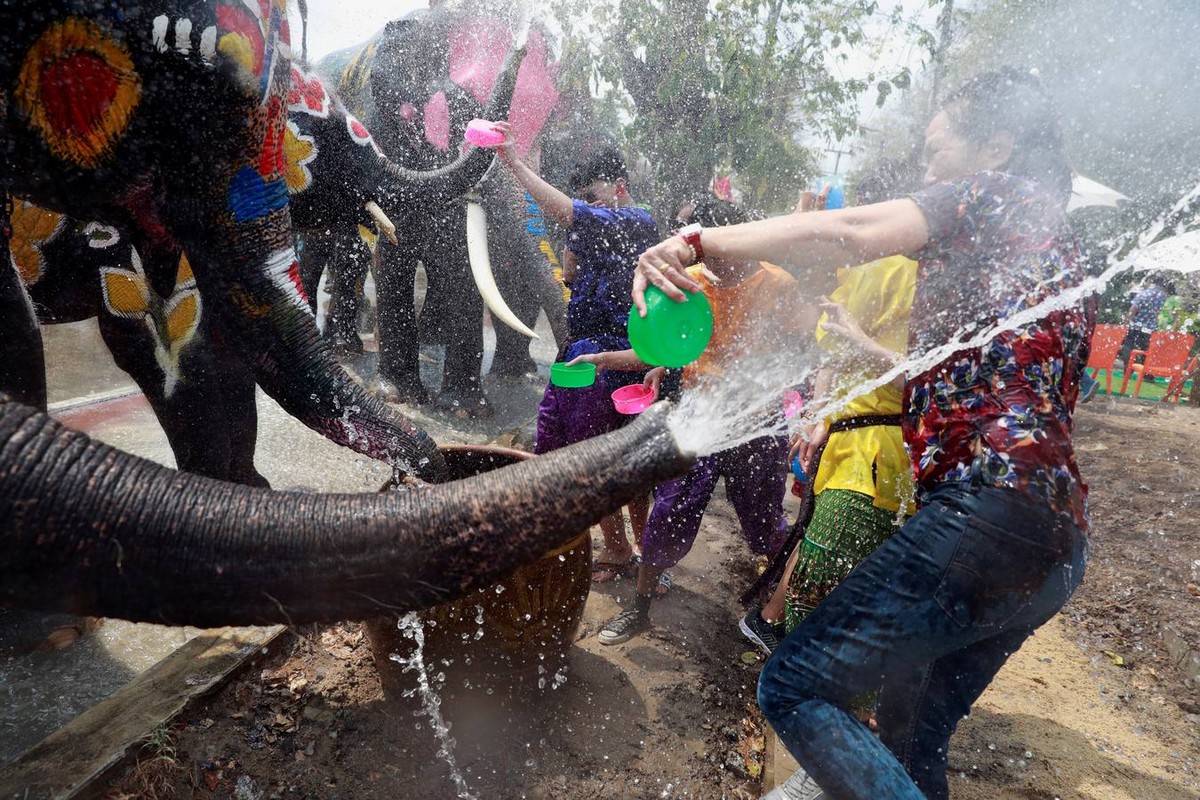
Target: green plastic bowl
<point>574,377</point>
<point>671,334</point>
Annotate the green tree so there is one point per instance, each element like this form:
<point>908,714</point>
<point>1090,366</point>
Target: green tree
<point>729,85</point>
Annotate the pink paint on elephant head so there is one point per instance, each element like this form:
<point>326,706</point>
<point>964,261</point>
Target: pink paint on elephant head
<point>437,121</point>
<point>478,46</point>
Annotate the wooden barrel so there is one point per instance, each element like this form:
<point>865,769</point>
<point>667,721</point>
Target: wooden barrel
<point>511,636</point>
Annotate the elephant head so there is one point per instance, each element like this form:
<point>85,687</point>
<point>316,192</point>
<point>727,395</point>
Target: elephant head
<point>177,138</point>
<point>90,530</point>
<point>417,83</point>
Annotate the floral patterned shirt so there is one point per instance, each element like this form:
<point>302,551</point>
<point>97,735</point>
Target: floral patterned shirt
<point>997,414</point>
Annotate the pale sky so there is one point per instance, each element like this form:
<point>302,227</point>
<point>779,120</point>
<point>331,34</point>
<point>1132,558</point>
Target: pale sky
<point>334,24</point>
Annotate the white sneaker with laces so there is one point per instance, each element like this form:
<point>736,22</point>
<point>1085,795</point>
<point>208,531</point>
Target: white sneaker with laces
<point>798,787</point>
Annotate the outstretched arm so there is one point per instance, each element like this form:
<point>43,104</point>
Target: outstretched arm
<point>809,245</point>
<point>554,203</point>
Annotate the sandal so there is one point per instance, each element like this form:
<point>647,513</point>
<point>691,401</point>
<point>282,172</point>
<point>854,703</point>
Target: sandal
<point>663,587</point>
<point>609,571</point>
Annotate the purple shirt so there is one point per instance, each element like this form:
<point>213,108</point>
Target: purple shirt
<point>607,242</point>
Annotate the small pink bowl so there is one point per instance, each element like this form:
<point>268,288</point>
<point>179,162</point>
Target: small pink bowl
<point>481,133</point>
<point>633,399</point>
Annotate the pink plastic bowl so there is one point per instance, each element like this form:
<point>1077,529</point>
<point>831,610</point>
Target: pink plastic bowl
<point>481,133</point>
<point>633,399</point>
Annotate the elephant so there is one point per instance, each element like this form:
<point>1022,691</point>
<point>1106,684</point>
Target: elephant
<point>170,126</point>
<point>416,84</point>
<point>182,359</point>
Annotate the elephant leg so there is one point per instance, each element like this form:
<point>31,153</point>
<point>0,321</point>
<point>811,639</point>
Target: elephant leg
<point>313,250</point>
<point>512,357</point>
<point>349,260</point>
<point>191,390</point>
<point>22,360</point>
<point>399,372</point>
<point>451,284</point>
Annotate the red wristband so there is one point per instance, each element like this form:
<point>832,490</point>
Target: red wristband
<point>690,234</point>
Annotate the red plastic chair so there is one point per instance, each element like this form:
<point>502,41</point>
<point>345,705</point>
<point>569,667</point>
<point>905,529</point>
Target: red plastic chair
<point>1106,343</point>
<point>1165,358</point>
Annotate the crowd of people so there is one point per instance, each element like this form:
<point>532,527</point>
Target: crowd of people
<point>944,518</point>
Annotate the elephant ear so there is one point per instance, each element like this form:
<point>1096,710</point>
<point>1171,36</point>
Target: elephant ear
<point>125,293</point>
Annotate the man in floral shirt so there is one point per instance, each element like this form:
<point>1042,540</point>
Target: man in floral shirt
<point>997,414</point>
<point>1000,540</point>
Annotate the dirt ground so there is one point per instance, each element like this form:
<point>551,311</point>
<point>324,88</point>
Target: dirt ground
<point>1091,707</point>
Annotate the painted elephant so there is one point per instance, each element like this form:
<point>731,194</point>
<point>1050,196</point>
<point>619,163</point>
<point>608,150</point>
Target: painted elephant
<point>168,120</point>
<point>151,316</point>
<point>416,84</point>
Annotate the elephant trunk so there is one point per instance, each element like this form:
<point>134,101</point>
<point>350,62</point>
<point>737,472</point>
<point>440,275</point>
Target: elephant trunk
<point>91,530</point>
<point>410,188</point>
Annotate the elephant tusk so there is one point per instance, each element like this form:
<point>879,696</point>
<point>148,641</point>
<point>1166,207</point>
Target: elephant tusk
<point>385,225</point>
<point>481,270</point>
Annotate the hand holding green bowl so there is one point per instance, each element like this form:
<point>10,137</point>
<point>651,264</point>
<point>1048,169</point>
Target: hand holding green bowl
<point>671,334</point>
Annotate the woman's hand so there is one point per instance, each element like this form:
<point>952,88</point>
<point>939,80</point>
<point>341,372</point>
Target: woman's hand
<point>665,266</point>
<point>839,323</point>
<point>601,360</point>
<point>812,201</point>
<point>653,379</point>
<point>804,444</point>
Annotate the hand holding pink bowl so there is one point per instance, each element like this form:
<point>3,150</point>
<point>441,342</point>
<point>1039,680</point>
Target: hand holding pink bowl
<point>482,133</point>
<point>634,398</point>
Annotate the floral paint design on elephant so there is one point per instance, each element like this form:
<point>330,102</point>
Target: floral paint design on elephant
<point>307,94</point>
<point>79,88</point>
<point>255,34</point>
<point>172,323</point>
<point>32,228</point>
<point>256,37</point>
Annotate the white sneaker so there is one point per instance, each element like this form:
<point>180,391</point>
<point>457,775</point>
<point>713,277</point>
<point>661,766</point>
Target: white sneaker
<point>798,787</point>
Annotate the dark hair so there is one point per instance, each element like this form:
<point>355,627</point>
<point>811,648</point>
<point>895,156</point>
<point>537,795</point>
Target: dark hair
<point>1164,283</point>
<point>603,164</point>
<point>713,212</point>
<point>883,180</point>
<point>1013,101</point>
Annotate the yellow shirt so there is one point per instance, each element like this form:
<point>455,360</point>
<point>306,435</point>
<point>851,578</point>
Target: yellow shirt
<point>872,460</point>
<point>759,314</point>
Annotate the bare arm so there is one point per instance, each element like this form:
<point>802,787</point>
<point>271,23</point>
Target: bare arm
<point>809,245</point>
<point>615,360</point>
<point>556,205</point>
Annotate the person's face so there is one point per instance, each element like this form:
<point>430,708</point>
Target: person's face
<point>949,155</point>
<point>602,192</point>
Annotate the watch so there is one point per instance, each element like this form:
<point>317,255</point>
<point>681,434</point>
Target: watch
<point>690,234</point>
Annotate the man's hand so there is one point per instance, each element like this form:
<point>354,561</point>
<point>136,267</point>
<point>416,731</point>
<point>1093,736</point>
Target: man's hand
<point>506,150</point>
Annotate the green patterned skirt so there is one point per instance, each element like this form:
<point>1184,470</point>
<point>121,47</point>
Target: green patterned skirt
<point>846,528</point>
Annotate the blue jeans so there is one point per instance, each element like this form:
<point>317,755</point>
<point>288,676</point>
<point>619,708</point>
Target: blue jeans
<point>929,619</point>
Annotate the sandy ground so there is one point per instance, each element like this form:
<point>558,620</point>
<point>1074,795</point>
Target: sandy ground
<point>1091,707</point>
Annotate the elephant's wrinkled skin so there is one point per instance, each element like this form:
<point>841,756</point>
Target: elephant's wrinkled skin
<point>147,543</point>
<point>175,135</point>
<point>177,349</point>
<point>402,82</point>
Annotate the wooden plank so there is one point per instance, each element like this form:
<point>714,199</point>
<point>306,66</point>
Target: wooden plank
<point>778,765</point>
<point>81,751</point>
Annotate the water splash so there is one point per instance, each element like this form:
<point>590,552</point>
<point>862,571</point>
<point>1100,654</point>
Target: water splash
<point>744,402</point>
<point>410,626</point>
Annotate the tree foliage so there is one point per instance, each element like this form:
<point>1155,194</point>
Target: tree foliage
<point>734,86</point>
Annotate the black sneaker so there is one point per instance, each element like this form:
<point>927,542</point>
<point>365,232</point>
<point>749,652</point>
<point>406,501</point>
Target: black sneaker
<point>623,627</point>
<point>766,635</point>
